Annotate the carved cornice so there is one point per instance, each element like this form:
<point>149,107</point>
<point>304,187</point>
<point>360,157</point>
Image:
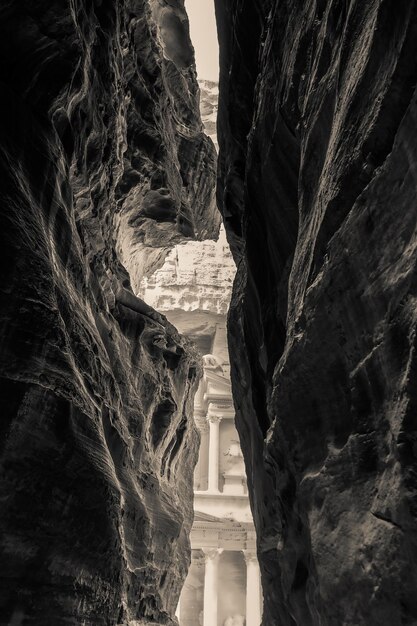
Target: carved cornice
<point>232,538</point>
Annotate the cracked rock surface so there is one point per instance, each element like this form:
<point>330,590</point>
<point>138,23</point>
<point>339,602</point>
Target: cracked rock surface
<point>317,185</point>
<point>103,167</point>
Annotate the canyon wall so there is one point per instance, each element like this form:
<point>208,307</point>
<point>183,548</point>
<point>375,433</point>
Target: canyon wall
<point>104,167</point>
<point>317,185</point>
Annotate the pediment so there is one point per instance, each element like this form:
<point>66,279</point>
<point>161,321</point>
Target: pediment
<point>204,517</point>
<point>216,384</point>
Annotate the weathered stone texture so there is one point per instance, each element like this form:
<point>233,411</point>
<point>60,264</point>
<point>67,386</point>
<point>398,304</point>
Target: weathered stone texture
<point>196,276</point>
<point>318,145</point>
<point>209,102</point>
<point>102,160</point>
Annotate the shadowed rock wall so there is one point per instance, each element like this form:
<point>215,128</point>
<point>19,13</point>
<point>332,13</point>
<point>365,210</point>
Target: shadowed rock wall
<point>102,160</point>
<point>317,185</point>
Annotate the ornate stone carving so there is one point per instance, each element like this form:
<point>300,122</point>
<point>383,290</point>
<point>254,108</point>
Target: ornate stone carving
<point>211,362</point>
<point>214,419</point>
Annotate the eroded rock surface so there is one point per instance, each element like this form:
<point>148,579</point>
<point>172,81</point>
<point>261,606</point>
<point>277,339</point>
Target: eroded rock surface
<point>102,160</point>
<point>209,102</point>
<point>318,146</point>
<point>196,276</point>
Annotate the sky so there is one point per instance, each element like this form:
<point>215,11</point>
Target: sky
<point>204,37</point>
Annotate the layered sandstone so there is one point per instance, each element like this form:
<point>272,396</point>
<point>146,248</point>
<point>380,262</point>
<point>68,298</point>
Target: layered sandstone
<point>102,162</point>
<point>317,185</point>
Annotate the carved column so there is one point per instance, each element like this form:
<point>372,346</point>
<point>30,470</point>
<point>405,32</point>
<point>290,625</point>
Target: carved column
<point>214,444</point>
<point>211,585</point>
<point>253,589</point>
<point>201,470</point>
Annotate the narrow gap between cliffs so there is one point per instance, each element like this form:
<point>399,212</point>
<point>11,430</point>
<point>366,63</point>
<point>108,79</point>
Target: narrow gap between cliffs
<point>193,289</point>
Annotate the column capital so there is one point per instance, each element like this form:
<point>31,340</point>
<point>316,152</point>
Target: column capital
<point>250,556</point>
<point>211,553</point>
<point>214,419</point>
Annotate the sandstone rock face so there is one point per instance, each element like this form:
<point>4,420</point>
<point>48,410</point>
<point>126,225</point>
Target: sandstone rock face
<point>102,160</point>
<point>209,102</point>
<point>166,189</point>
<point>318,144</point>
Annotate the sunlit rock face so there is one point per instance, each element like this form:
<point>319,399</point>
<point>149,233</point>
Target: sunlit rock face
<point>102,160</point>
<point>317,136</point>
<point>209,101</point>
